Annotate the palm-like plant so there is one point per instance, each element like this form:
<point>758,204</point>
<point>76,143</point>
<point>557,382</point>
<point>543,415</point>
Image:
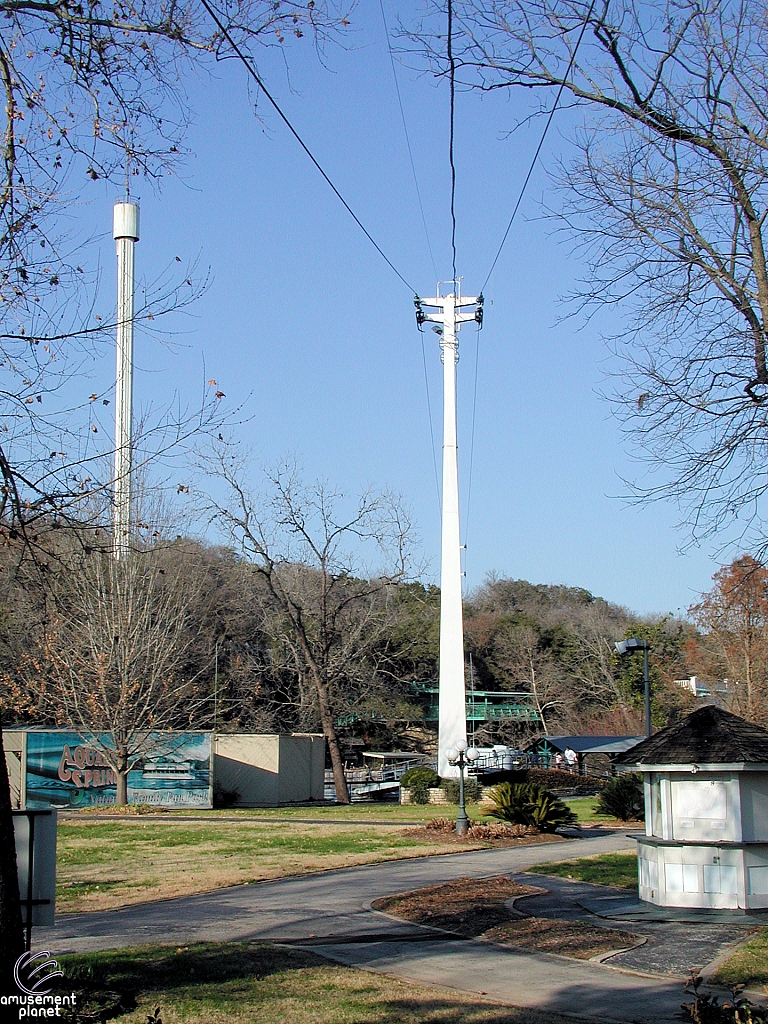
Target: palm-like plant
<point>525,803</point>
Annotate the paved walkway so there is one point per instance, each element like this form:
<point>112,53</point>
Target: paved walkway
<point>672,946</point>
<point>330,913</point>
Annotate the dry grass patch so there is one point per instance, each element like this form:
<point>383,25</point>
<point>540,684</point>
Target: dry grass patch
<point>747,965</point>
<point>479,908</point>
<point>102,865</point>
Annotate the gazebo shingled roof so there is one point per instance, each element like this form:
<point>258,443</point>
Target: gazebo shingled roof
<point>707,736</point>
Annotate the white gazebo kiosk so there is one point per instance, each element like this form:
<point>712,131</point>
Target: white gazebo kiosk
<point>706,813</point>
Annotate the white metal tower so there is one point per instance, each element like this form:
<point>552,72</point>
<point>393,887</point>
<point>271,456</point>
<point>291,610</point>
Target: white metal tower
<point>126,234</point>
<point>449,313</point>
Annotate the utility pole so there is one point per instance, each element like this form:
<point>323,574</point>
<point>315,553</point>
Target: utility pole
<point>448,313</point>
<point>126,234</point>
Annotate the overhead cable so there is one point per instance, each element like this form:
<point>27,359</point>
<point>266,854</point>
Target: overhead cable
<point>407,139</point>
<point>429,244</point>
<point>541,140</point>
<point>248,64</point>
<point>452,83</point>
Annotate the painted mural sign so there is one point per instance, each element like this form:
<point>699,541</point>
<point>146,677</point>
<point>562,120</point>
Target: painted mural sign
<point>65,769</point>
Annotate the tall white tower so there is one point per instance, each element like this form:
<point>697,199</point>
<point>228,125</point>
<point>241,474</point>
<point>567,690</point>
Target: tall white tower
<point>126,234</point>
<point>450,314</point>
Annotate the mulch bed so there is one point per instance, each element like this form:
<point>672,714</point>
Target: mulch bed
<point>468,906</point>
<point>495,833</point>
<point>477,908</point>
<point>578,939</point>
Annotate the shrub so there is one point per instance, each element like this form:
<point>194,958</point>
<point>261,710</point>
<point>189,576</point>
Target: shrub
<point>420,780</point>
<point>472,790</point>
<point>706,1008</point>
<point>525,803</point>
<point>622,797</point>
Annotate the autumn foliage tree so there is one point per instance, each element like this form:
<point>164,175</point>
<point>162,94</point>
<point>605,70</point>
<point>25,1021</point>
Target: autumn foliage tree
<point>733,645</point>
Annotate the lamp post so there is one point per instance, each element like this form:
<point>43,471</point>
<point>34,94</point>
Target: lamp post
<point>627,647</point>
<point>461,756</point>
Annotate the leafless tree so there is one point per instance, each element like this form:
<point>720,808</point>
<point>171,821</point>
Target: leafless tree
<point>526,665</point>
<point>309,544</point>
<point>91,93</point>
<point>592,665</point>
<point>666,199</point>
<point>110,661</point>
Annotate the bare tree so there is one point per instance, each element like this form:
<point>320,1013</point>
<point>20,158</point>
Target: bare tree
<point>111,660</point>
<point>666,200</point>
<point>91,93</point>
<point>527,665</point>
<point>592,665</point>
<point>309,544</point>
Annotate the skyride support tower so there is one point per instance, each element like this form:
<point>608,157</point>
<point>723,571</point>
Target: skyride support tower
<point>449,312</point>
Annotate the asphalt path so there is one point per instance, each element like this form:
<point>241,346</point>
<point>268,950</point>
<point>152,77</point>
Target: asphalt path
<point>330,912</point>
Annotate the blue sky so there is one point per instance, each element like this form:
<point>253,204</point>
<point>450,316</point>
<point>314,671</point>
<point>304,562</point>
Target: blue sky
<point>305,322</point>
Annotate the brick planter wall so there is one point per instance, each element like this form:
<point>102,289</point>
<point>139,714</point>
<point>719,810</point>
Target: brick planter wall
<point>436,796</point>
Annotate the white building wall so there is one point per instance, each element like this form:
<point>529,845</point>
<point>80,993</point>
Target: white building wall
<point>692,876</point>
<point>754,807</point>
<point>268,770</point>
<point>247,765</point>
<point>706,842</point>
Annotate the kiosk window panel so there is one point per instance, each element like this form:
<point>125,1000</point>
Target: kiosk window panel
<point>728,879</point>
<point>673,877</point>
<point>649,873</point>
<point>690,878</point>
<point>704,799</point>
<point>712,878</point>
<point>757,880</point>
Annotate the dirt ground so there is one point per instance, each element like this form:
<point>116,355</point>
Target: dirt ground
<point>479,908</point>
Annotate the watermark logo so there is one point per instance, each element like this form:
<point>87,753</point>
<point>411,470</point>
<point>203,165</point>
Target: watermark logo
<point>33,973</point>
<point>29,972</point>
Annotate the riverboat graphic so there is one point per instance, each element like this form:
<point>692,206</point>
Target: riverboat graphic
<point>65,770</point>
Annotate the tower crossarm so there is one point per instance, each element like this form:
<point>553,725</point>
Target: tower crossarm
<point>460,310</point>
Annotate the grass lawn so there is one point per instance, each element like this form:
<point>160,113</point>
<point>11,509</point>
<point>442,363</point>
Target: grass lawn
<point>748,965</point>
<point>585,809</point>
<point>244,982</point>
<point>605,869</point>
<point>408,814</point>
<point>106,864</point>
